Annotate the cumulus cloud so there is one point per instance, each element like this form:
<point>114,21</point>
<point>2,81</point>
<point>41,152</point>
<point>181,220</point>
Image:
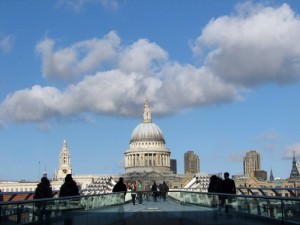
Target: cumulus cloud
<point>290,150</point>
<point>237,157</point>
<point>77,5</point>
<point>269,135</point>
<point>115,92</point>
<point>70,62</point>
<point>6,43</point>
<point>141,57</point>
<point>254,46</point>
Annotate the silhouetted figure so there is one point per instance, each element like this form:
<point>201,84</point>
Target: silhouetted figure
<point>133,192</point>
<point>69,188</point>
<point>1,200</point>
<point>1,196</point>
<point>139,191</point>
<point>228,187</point>
<point>154,191</point>
<point>120,186</point>
<point>43,190</point>
<point>215,186</point>
<point>164,190</point>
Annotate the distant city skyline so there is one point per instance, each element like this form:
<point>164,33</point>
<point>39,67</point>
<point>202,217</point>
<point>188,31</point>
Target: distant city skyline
<point>222,78</point>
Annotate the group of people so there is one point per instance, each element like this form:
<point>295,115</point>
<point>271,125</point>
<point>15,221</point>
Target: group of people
<point>223,187</point>
<point>138,190</point>
<point>44,190</point>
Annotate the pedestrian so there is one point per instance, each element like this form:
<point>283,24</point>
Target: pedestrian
<point>228,187</point>
<point>164,190</point>
<point>154,191</point>
<point>43,190</point>
<point>215,186</point>
<point>139,191</point>
<point>133,192</point>
<point>120,187</point>
<point>69,188</point>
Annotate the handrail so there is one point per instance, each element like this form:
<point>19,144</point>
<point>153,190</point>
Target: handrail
<point>270,207</point>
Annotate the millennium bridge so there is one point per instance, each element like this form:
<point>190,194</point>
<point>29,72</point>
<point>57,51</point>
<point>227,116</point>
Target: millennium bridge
<point>181,207</point>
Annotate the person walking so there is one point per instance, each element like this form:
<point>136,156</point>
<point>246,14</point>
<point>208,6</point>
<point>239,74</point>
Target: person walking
<point>139,191</point>
<point>154,191</point>
<point>164,190</point>
<point>43,190</point>
<point>133,192</point>
<point>228,187</point>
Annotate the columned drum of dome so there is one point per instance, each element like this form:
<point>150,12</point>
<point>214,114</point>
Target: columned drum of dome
<point>147,150</point>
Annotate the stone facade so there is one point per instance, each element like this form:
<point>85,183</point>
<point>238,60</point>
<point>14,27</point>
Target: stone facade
<point>147,151</point>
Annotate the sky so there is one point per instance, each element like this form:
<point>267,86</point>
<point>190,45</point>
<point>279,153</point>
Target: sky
<point>222,78</point>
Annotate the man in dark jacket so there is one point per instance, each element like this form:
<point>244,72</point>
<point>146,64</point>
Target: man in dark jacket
<point>120,187</point>
<point>43,190</point>
<point>69,188</point>
<point>228,187</point>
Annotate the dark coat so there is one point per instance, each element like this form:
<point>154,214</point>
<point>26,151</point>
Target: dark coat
<point>120,187</point>
<point>228,186</point>
<point>43,190</point>
<point>69,188</point>
<point>215,184</point>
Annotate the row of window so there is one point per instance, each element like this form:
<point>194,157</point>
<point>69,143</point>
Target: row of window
<point>17,189</point>
<point>148,143</point>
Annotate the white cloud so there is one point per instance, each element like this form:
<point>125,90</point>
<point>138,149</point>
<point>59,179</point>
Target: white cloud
<point>142,57</point>
<point>242,50</point>
<point>237,157</point>
<point>70,62</point>
<point>6,43</point>
<point>77,5</point>
<point>116,92</point>
<point>255,46</point>
<point>269,135</point>
<point>290,150</point>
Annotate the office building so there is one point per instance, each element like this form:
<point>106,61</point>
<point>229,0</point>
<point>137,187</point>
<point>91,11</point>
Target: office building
<point>191,163</point>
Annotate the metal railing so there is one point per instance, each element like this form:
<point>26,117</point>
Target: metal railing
<point>284,209</point>
<point>51,209</point>
<point>281,210</point>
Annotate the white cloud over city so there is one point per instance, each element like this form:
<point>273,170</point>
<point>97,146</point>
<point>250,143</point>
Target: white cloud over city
<point>254,46</point>
<point>6,43</point>
<point>77,5</point>
<point>291,150</point>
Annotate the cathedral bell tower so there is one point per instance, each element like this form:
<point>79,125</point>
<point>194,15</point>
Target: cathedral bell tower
<point>64,162</point>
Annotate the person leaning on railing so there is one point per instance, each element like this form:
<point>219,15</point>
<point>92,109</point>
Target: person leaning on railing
<point>69,187</point>
<point>228,187</point>
<point>120,187</point>
<point>43,190</point>
<point>215,186</point>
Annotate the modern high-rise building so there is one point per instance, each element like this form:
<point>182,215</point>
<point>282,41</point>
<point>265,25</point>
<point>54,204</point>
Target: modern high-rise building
<point>251,163</point>
<point>191,163</point>
<point>174,166</point>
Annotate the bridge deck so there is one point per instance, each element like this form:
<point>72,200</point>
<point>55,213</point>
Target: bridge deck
<point>173,213</point>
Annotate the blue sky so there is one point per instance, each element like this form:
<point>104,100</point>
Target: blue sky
<point>222,78</point>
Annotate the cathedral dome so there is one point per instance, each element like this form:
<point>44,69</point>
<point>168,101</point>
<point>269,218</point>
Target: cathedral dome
<point>147,132</point>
